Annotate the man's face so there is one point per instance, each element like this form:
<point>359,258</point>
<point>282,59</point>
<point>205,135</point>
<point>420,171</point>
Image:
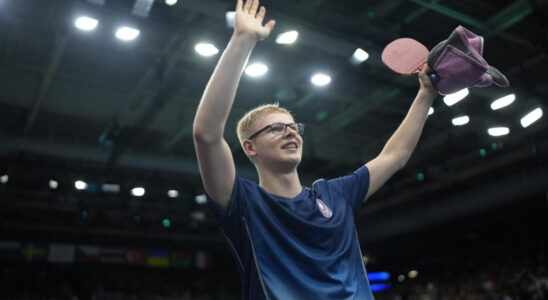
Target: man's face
<point>284,150</point>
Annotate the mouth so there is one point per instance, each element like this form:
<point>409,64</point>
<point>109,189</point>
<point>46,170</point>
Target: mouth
<point>290,145</point>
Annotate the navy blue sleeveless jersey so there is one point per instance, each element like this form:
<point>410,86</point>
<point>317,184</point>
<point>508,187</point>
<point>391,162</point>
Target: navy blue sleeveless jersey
<point>300,248</point>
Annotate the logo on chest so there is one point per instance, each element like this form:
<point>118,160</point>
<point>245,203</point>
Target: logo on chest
<point>326,211</point>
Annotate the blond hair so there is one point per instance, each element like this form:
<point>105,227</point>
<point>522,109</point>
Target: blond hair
<point>245,125</point>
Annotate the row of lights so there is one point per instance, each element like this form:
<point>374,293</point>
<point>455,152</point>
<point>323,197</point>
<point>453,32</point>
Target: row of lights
<point>124,33</point>
<point>136,191</point>
<point>525,121</point>
<point>112,188</point>
<point>256,69</point>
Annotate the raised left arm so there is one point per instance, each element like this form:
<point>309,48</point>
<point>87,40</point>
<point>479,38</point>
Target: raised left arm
<point>399,147</point>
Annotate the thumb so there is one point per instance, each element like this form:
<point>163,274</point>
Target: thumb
<point>270,25</point>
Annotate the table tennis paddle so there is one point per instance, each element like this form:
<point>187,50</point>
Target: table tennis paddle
<point>406,56</point>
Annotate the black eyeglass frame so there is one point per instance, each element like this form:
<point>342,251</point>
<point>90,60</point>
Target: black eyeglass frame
<point>300,129</point>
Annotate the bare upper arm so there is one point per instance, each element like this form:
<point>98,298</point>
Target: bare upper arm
<point>381,168</point>
<point>217,170</point>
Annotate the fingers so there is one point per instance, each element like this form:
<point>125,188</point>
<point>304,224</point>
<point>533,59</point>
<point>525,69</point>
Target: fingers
<point>260,15</point>
<point>246,6</point>
<point>239,6</point>
<point>270,25</point>
<point>253,9</point>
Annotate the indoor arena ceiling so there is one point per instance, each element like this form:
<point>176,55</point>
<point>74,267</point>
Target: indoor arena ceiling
<point>77,104</point>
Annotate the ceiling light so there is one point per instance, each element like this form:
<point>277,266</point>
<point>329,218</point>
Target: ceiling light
<point>455,97</point>
<point>53,184</point>
<point>86,23</point>
<point>320,79</point>
<point>80,185</point>
<point>430,110</point>
<point>502,102</point>
<point>198,215</point>
<point>172,193</point>
<point>127,33</point>
<point>531,117</point>
<point>229,17</point>
<point>498,131</point>
<point>359,56</point>
<point>138,192</point>
<point>459,121</point>
<point>256,70</point>
<point>206,49</point>
<point>171,2</point>
<point>413,274</point>
<point>200,199</point>
<point>287,37</point>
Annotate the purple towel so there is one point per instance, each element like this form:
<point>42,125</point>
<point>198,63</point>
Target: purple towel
<point>459,63</point>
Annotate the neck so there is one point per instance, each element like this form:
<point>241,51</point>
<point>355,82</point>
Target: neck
<point>285,184</point>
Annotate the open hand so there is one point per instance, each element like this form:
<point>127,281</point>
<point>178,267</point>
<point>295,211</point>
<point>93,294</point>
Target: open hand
<point>248,21</point>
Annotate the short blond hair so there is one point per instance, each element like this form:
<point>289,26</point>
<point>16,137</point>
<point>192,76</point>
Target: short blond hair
<point>245,124</point>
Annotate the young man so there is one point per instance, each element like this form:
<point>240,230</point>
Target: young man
<point>289,242</point>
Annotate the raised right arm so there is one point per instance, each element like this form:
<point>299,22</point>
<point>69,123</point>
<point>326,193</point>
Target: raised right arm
<point>214,156</point>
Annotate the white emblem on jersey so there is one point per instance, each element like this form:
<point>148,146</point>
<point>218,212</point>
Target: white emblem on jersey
<point>326,211</point>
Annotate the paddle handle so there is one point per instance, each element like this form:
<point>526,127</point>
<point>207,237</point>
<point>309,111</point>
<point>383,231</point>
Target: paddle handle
<point>433,76</point>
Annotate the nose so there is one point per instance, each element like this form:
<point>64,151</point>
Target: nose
<point>290,132</point>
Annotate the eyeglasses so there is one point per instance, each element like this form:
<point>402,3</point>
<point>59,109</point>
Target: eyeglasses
<point>280,128</point>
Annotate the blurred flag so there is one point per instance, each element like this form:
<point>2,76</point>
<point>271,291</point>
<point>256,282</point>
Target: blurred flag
<point>181,259</point>
<point>9,250</point>
<point>87,254</point>
<point>158,258</point>
<point>61,253</point>
<point>34,252</point>
<point>202,260</point>
<point>136,257</point>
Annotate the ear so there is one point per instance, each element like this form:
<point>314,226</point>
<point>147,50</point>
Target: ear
<point>249,148</point>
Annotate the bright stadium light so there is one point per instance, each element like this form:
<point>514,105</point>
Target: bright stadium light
<point>4,178</point>
<point>127,33</point>
<point>256,70</point>
<point>53,184</point>
<point>531,117</point>
<point>498,131</point>
<point>503,102</point>
<point>200,199</point>
<point>171,2</point>
<point>86,23</point>
<point>320,79</point>
<point>138,192</point>
<point>80,185</point>
<point>413,274</point>
<point>287,38</point>
<point>451,99</point>
<point>172,193</point>
<point>206,49</point>
<point>229,17</point>
<point>459,121</point>
<point>359,56</point>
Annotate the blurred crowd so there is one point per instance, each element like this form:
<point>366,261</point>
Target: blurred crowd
<point>97,282</point>
<point>507,278</point>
